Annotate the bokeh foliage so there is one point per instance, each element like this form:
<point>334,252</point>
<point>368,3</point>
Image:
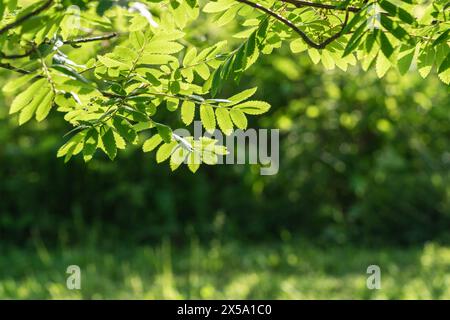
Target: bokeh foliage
<point>150,58</point>
<point>361,159</point>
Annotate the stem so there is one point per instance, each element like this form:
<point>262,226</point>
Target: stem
<point>16,56</point>
<point>300,4</point>
<point>182,98</point>
<point>24,18</point>
<point>204,61</point>
<point>291,25</point>
<point>46,71</point>
<point>12,68</point>
<point>92,39</point>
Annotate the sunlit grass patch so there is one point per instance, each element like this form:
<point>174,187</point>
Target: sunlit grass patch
<point>293,270</point>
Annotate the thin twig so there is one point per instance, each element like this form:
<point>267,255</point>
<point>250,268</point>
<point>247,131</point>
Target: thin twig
<point>46,71</point>
<point>291,25</point>
<point>92,39</point>
<point>29,15</point>
<point>300,4</point>
<point>12,68</point>
<point>16,56</point>
<point>71,42</point>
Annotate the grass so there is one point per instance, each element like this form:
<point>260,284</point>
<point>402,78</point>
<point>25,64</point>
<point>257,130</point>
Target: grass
<point>285,270</point>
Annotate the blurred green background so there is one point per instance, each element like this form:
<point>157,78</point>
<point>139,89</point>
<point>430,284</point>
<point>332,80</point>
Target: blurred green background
<point>363,179</point>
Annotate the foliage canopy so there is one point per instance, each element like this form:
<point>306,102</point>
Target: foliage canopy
<point>110,66</point>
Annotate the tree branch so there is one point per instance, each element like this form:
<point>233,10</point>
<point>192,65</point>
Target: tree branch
<point>70,42</point>
<point>29,15</point>
<point>300,4</point>
<point>16,56</point>
<point>92,39</point>
<point>291,25</point>
<point>12,68</point>
<point>336,35</point>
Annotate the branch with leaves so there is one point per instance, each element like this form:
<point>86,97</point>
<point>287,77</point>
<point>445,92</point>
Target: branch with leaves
<point>125,72</point>
<point>302,4</point>
<point>21,19</point>
<point>292,26</point>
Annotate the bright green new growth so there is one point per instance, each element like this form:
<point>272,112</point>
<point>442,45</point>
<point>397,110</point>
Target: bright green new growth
<point>110,66</point>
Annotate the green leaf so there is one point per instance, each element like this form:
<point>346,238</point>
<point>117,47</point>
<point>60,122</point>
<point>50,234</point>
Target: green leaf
<point>405,16</point>
<point>441,53</point>
<point>164,131</point>
<point>69,72</point>
<point>90,144</point>
<point>120,142</point>
<point>110,62</point>
<point>71,147</point>
<point>209,157</point>
<point>445,64</point>
<point>382,65</point>
<point>172,104</point>
<point>125,52</point>
<point>327,60</point>
<point>355,40</point>
<point>214,82</point>
<point>220,150</point>
<point>190,56</point>
<point>27,113</point>
<point>158,59</point>
<point>177,158</point>
<point>228,15</point>
<point>15,84</point>
<point>192,3</point>
<point>137,39</point>
<point>125,129</point>
<point>103,6</point>
<point>239,118</point>
<point>314,54</point>
<point>142,126</point>
<point>354,21</point>
<point>405,59</point>
<point>2,9</point>
<point>152,143</point>
<point>253,107</point>
<point>224,121</point>
<point>45,106</point>
<point>385,44</point>
<point>370,40</point>
<point>109,144</point>
<point>25,97</point>
<point>138,23</point>
<point>298,45</point>
<point>165,151</point>
<point>397,11</point>
<point>187,112</point>
<point>207,117</point>
<point>135,115</point>
<point>445,76</point>
<point>163,47</point>
<point>250,46</point>
<point>442,38</point>
<point>393,27</point>
<point>218,6</point>
<point>203,71</point>
<point>425,61</point>
<point>389,7</point>
<point>240,97</point>
<point>193,162</point>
